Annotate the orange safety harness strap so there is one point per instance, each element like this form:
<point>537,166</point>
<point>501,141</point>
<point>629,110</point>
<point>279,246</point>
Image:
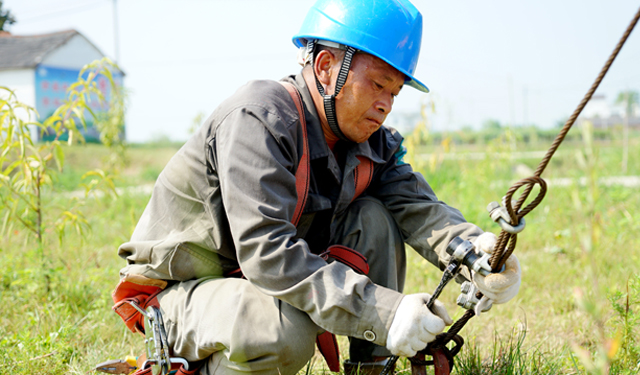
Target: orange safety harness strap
<point>348,256</point>
<point>326,341</point>
<point>363,175</point>
<point>140,290</point>
<point>304,169</point>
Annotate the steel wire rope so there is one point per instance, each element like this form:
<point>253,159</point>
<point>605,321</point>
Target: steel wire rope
<point>507,241</point>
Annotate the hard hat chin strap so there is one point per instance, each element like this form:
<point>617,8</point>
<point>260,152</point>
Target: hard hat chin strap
<point>330,100</point>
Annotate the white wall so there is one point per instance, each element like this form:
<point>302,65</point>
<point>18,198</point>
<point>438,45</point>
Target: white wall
<point>22,82</point>
<point>597,107</point>
<point>74,54</point>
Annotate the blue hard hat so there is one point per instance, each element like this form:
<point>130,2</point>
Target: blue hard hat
<point>388,29</point>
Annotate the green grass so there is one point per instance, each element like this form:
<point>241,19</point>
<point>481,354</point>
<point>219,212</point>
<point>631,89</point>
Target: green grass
<point>143,164</point>
<point>56,315</point>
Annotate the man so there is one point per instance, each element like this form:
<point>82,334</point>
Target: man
<point>228,199</point>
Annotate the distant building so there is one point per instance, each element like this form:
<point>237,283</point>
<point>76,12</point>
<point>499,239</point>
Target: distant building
<point>604,115</point>
<point>40,68</point>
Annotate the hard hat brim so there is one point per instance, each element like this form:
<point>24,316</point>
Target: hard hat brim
<point>410,80</point>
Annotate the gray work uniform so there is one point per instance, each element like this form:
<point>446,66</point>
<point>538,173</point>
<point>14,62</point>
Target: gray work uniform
<point>227,199</point>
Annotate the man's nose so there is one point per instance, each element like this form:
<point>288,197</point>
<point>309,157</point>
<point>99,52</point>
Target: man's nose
<point>384,104</point>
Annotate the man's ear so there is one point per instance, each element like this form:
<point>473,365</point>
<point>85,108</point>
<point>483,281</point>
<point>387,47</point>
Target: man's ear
<point>323,67</point>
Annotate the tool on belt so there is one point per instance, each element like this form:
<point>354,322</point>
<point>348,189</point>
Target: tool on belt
<point>157,359</point>
<point>510,217</point>
<point>136,302</point>
<point>118,366</point>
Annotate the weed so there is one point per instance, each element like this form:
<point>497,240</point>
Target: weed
<point>626,325</point>
<point>506,356</point>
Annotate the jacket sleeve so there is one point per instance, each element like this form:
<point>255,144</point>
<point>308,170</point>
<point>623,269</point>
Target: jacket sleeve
<point>256,157</point>
<point>426,223</point>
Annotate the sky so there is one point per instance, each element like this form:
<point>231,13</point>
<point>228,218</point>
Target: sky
<point>512,61</point>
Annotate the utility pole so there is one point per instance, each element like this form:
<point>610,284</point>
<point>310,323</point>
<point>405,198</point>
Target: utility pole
<point>512,106</point>
<point>512,109</point>
<point>525,107</point>
<point>625,131</point>
<point>116,36</point>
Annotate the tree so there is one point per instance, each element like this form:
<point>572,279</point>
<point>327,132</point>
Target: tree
<point>6,18</point>
<point>492,125</point>
<point>628,99</point>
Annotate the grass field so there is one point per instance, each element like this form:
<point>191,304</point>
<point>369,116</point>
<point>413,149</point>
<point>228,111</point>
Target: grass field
<point>577,310</point>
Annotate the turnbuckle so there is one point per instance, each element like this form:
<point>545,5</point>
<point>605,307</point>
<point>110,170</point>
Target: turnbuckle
<point>442,356</point>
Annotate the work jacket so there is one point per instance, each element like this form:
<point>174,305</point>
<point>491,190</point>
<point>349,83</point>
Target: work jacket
<point>227,198</point>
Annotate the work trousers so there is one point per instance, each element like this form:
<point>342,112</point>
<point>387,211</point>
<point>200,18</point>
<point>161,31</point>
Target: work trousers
<point>237,329</point>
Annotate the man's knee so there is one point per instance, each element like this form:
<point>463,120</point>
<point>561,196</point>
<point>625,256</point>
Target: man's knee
<point>238,326</point>
<point>282,348</point>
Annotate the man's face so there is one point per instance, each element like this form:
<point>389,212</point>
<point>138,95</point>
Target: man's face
<point>367,96</point>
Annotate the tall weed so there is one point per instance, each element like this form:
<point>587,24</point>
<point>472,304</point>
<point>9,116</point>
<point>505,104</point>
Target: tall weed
<point>28,169</point>
<point>626,325</point>
<point>507,356</point>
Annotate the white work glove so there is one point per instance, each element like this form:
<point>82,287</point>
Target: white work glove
<point>498,287</point>
<point>414,326</point>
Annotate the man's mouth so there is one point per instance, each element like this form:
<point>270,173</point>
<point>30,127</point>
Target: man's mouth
<point>377,122</point>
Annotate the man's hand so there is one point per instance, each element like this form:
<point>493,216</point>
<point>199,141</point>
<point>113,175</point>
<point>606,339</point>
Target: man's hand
<point>499,287</point>
<point>414,326</point>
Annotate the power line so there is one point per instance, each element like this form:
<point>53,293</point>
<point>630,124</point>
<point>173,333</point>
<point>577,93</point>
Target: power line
<point>37,6</point>
<point>77,9</point>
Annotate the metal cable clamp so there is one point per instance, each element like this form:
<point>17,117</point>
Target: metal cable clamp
<point>501,216</point>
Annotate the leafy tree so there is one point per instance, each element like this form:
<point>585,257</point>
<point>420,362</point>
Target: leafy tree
<point>6,18</point>
<point>561,122</point>
<point>629,99</point>
<point>492,125</point>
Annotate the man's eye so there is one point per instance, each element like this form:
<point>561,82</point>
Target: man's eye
<point>379,86</point>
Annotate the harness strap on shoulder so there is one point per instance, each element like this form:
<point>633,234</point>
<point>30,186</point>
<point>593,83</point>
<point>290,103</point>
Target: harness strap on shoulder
<point>326,342</point>
<point>303,171</point>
